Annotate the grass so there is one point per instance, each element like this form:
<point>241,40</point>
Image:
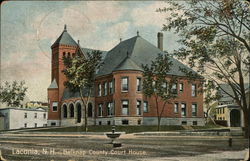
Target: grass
<point>107,128</point>
<point>127,129</point>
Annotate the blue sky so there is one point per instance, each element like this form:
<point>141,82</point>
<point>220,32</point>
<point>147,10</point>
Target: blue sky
<point>28,29</point>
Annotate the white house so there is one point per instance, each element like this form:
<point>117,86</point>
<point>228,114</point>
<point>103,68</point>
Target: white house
<point>16,118</point>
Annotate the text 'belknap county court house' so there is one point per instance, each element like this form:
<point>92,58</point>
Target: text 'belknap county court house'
<point>118,98</point>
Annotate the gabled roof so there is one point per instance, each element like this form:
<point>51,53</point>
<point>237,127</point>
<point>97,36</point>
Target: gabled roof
<point>226,88</point>
<point>65,39</point>
<point>53,85</point>
<point>141,52</point>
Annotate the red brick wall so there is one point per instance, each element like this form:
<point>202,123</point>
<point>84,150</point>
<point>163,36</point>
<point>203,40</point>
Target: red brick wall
<point>53,97</point>
<point>132,96</point>
<point>56,73</point>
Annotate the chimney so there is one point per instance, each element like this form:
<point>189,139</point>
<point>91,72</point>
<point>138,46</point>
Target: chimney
<point>160,40</point>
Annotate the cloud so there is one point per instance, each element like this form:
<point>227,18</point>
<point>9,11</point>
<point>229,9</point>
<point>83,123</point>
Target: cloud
<point>148,16</point>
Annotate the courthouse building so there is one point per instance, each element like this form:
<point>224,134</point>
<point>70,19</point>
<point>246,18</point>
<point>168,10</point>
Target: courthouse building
<point>117,94</point>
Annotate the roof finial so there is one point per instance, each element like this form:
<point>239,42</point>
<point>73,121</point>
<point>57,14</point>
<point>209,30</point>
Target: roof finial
<point>65,27</point>
<point>120,39</point>
<point>138,33</point>
<point>78,41</point>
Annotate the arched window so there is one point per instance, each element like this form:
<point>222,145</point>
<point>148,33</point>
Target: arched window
<point>68,54</point>
<point>64,54</point>
<point>79,112</point>
<point>65,112</point>
<point>90,110</point>
<point>71,109</point>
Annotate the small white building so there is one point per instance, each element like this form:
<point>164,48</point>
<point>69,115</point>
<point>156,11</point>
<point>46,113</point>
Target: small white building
<point>16,118</point>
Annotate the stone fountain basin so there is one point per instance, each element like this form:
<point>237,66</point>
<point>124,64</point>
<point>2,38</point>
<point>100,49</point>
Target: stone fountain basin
<point>113,135</point>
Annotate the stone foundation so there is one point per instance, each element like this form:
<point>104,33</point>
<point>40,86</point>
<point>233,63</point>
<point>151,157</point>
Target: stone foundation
<point>119,121</point>
<point>174,121</point>
<point>73,122</point>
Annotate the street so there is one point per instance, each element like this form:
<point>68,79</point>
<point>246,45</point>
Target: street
<point>98,148</point>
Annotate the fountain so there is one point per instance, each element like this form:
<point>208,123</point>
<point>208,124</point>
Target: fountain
<point>113,135</point>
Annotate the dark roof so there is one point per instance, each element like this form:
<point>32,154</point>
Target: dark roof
<point>87,50</point>
<point>140,52</point>
<point>65,39</point>
<point>128,64</point>
<point>226,88</point>
<point>67,93</point>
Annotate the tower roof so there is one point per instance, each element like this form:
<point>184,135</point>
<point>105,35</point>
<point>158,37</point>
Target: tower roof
<point>53,85</point>
<point>65,39</point>
<point>128,64</point>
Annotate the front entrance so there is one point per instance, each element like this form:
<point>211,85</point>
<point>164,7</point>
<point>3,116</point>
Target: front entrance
<point>79,112</point>
<point>235,118</point>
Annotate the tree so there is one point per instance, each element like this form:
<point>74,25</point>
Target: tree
<point>80,73</point>
<point>157,83</point>
<point>211,95</point>
<point>13,93</point>
<point>215,40</point>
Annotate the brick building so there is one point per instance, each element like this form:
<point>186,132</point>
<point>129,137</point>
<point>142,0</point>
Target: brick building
<point>118,97</point>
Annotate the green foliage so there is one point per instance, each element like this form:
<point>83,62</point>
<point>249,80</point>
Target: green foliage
<point>154,78</point>
<point>215,41</point>
<point>155,83</point>
<point>80,70</point>
<point>13,93</point>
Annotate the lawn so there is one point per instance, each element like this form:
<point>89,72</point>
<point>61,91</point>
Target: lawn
<point>127,129</point>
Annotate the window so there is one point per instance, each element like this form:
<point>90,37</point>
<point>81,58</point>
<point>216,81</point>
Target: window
<point>145,106</point>
<point>176,107</point>
<point>125,107</point>
<point>65,111</point>
<point>124,122</point>
<point>108,123</point>
<point>183,109</point>
<point>181,87</point>
<point>193,90</point>
<point>195,123</point>
<point>184,122</point>
<point>139,122</point>
<point>25,125</point>
<point>54,106</point>
<point>138,109</point>
<point>44,115</point>
<point>64,54</point>
<point>99,89</point>
<point>25,115</point>
<point>174,88</point>
<point>68,54</point>
<point>110,87</point>
<point>125,84</point>
<point>110,109</point>
<point>35,115</point>
<point>105,88</point>
<point>71,110</point>
<point>53,124</point>
<point>35,124</point>
<point>100,123</point>
<point>100,112</point>
<point>194,109</point>
<point>138,84</point>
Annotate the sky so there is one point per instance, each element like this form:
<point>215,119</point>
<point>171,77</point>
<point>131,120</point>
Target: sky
<point>28,29</point>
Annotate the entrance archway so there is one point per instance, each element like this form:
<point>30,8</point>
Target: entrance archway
<point>79,112</point>
<point>90,110</point>
<point>235,118</point>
